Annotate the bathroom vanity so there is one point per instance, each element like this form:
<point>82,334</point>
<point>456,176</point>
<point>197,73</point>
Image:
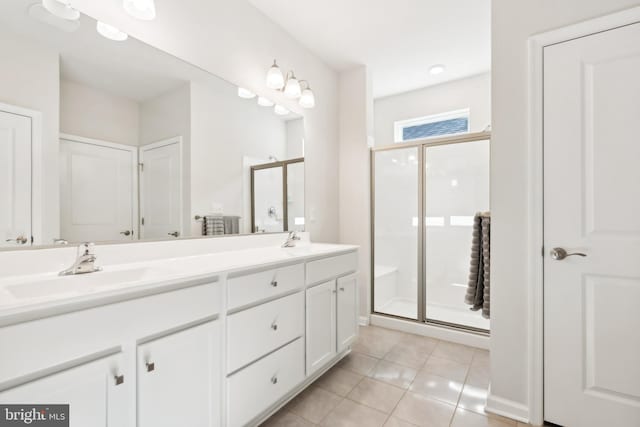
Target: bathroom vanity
<point>213,339</point>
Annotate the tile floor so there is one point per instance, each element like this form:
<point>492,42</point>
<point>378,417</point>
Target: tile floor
<point>394,379</point>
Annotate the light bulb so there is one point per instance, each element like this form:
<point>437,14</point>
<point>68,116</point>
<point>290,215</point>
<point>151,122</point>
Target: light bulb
<point>61,9</point>
<point>245,93</point>
<point>111,32</point>
<point>292,89</point>
<point>275,79</point>
<point>307,99</point>
<point>265,102</point>
<point>140,9</point>
<point>280,110</point>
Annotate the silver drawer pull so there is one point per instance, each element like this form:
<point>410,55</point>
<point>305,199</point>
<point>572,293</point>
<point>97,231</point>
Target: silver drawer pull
<point>119,379</point>
<point>274,379</point>
<point>151,366</point>
<point>274,283</point>
<point>274,326</point>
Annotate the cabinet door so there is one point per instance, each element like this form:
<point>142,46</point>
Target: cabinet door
<point>321,325</point>
<point>347,311</point>
<point>179,378</point>
<point>94,396</point>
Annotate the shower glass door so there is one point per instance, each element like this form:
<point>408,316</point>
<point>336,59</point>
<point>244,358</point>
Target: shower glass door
<point>396,237</point>
<point>456,186</point>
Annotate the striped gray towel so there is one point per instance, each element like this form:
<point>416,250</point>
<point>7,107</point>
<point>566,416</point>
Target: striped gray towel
<point>478,289</point>
<point>231,224</point>
<point>212,225</point>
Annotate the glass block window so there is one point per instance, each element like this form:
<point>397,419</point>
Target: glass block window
<point>451,123</point>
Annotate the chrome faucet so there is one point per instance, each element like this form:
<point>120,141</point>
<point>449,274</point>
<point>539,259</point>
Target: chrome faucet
<point>291,240</point>
<point>85,262</point>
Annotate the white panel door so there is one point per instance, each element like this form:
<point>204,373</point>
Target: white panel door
<point>15,179</point>
<point>321,325</point>
<point>179,380</point>
<point>161,190</point>
<point>347,318</point>
<point>96,398</point>
<point>592,206</point>
<point>97,191</point>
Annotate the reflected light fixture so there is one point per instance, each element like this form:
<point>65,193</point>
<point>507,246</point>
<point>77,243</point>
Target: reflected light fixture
<point>140,9</point>
<point>275,79</point>
<point>280,110</point>
<point>436,69</point>
<point>292,87</point>
<point>61,9</point>
<point>245,93</point>
<point>307,98</point>
<point>265,102</point>
<point>111,32</point>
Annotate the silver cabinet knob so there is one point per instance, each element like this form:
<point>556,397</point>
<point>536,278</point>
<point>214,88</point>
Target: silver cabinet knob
<point>150,366</point>
<point>119,379</point>
<point>274,283</point>
<point>274,326</point>
<point>559,254</point>
<point>274,379</point>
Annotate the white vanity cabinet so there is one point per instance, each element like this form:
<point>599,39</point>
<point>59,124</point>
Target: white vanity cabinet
<point>321,325</point>
<point>179,378</point>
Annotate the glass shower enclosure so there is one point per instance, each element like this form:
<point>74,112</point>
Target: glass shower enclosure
<point>424,198</point>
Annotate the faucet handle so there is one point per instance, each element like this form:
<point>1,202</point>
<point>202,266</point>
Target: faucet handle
<point>86,248</point>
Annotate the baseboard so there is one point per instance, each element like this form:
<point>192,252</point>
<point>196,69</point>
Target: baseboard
<point>507,408</point>
<point>438,332</point>
<point>363,320</point>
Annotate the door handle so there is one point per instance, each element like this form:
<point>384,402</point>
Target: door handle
<point>174,234</point>
<point>559,254</point>
<point>21,240</point>
<point>126,232</point>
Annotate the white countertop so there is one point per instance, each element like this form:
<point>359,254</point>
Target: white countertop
<point>33,296</point>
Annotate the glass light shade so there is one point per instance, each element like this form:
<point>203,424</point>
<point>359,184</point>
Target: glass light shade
<point>110,32</point>
<point>437,69</point>
<point>61,9</point>
<point>292,89</point>
<point>307,99</point>
<point>140,9</point>
<point>265,102</point>
<point>280,110</point>
<point>245,93</point>
<point>275,79</point>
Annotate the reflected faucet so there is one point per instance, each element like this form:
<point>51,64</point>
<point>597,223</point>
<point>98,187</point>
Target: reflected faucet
<point>291,240</point>
<point>84,263</point>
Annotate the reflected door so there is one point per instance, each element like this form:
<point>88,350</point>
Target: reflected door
<point>268,203</point>
<point>15,179</point>
<point>456,186</point>
<point>97,191</point>
<point>161,189</point>
<point>396,231</point>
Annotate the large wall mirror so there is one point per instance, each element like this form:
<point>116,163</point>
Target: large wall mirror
<point>111,140</point>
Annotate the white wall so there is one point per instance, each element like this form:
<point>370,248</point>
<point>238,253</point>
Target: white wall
<point>356,128</point>
<point>224,129</point>
<point>295,138</point>
<point>473,93</point>
<point>235,41</point>
<point>93,113</point>
<point>512,24</point>
<point>29,78</point>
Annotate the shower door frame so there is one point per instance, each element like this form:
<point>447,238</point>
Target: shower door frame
<point>421,145</point>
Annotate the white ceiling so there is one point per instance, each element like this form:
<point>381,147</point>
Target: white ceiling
<point>398,40</point>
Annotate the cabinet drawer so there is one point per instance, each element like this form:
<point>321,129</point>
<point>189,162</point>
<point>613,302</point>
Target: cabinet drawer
<point>329,268</point>
<point>255,388</point>
<point>255,332</point>
<point>254,287</point>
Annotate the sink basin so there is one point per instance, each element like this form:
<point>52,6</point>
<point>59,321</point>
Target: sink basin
<point>69,285</point>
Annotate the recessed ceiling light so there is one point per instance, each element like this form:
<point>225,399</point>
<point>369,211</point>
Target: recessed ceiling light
<point>111,32</point>
<point>436,69</point>
<point>245,93</point>
<point>265,102</point>
<point>140,9</point>
<point>280,110</point>
<point>61,9</point>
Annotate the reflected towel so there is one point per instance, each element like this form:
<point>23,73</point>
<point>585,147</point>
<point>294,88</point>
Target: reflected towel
<point>231,224</point>
<point>212,225</point>
<point>478,289</point>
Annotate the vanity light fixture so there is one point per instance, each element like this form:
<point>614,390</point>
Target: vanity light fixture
<point>265,102</point>
<point>140,9</point>
<point>280,110</point>
<point>292,87</point>
<point>111,32</point>
<point>245,93</point>
<point>275,79</point>
<point>436,69</point>
<point>61,9</point>
<point>307,98</point>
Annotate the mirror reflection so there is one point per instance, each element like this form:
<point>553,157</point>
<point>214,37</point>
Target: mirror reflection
<point>105,138</point>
